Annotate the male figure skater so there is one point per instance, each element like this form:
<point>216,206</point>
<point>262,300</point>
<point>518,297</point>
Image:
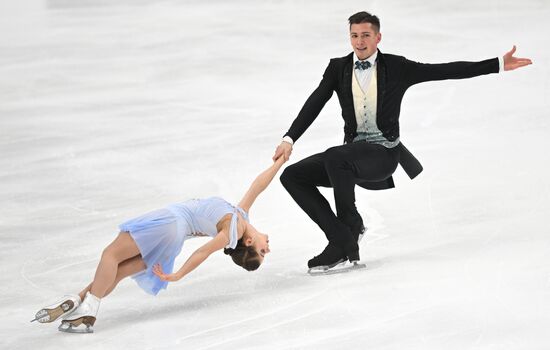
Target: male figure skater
<point>370,86</point>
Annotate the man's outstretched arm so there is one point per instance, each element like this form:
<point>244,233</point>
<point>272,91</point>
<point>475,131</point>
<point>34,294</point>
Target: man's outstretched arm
<point>421,72</point>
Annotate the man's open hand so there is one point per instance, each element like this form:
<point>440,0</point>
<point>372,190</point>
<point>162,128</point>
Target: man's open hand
<point>511,62</point>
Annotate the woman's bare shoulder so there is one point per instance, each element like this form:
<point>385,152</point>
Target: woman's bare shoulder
<point>225,223</point>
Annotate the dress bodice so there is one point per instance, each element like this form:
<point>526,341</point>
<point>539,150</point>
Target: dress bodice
<point>203,215</point>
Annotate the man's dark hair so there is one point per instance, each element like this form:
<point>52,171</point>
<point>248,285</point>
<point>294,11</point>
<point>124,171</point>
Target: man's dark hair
<point>365,17</point>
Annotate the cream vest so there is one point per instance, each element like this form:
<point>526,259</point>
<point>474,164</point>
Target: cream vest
<point>365,112</point>
<point>365,104</point>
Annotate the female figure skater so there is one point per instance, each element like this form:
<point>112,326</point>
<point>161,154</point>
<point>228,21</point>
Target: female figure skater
<point>147,246</point>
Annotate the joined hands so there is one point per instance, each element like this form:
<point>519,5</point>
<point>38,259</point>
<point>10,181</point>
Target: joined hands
<point>284,150</point>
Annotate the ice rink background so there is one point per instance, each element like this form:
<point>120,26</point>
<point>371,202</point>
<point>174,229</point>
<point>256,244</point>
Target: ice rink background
<point>109,109</point>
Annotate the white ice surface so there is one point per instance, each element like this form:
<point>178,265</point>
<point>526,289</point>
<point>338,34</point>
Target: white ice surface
<point>111,109</point>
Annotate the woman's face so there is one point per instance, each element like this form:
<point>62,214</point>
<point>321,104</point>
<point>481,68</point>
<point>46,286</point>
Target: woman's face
<point>258,240</point>
<point>261,244</point>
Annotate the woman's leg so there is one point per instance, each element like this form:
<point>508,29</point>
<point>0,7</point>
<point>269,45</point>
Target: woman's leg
<point>122,248</point>
<point>82,294</point>
<point>126,268</point>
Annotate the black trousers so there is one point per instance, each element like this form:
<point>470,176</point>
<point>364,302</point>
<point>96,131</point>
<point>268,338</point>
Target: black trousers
<point>341,168</point>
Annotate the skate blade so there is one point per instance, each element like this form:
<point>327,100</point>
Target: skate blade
<point>49,315</point>
<point>70,328</point>
<point>323,269</point>
<point>340,268</point>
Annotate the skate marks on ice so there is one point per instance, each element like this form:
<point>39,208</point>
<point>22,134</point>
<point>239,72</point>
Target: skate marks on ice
<point>348,336</point>
<point>293,317</point>
<point>57,268</point>
<point>29,278</point>
<point>302,308</point>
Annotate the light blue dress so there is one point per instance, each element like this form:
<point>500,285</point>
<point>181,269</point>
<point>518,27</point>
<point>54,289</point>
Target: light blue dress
<point>160,234</point>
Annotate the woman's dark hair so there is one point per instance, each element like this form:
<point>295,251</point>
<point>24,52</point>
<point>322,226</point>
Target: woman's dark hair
<point>365,17</point>
<point>246,257</point>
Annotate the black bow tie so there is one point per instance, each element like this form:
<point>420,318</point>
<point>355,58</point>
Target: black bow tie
<point>362,65</point>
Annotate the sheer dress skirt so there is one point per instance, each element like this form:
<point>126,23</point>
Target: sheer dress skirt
<point>159,236</point>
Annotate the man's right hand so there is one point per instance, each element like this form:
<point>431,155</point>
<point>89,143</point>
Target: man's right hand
<point>284,149</point>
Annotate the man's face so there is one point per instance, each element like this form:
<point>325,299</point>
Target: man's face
<point>364,39</point>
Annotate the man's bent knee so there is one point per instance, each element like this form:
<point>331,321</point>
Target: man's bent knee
<point>288,176</point>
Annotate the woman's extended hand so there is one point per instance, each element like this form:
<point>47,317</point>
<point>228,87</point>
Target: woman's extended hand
<point>170,277</point>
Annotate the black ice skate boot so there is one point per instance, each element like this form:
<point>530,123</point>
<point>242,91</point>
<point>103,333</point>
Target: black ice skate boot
<point>63,307</point>
<point>351,251</point>
<point>330,257</point>
<point>358,233</point>
<point>83,318</point>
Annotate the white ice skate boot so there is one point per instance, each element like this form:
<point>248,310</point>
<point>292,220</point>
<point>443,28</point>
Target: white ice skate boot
<point>83,318</point>
<point>63,307</point>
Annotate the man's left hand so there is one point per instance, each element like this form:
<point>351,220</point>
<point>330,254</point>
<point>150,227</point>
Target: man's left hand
<point>511,62</point>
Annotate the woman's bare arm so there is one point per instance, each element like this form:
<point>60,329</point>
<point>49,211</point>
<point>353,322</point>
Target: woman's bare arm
<point>198,257</point>
<point>260,184</point>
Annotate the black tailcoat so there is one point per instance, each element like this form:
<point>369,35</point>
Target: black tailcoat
<point>395,74</point>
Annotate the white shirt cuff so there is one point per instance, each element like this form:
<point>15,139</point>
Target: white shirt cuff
<point>288,139</point>
<point>500,64</point>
